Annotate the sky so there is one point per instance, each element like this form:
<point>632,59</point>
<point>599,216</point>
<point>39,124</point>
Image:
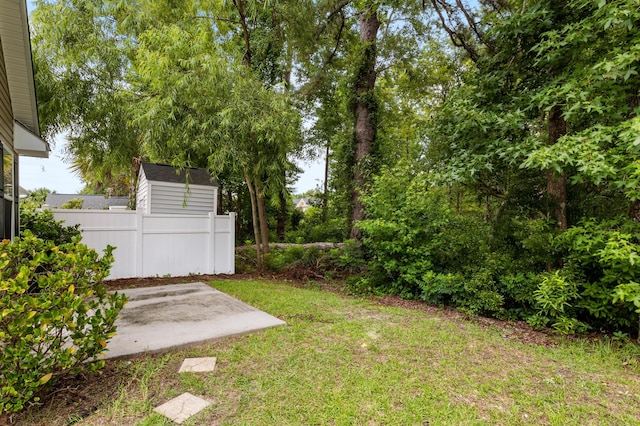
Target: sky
<point>54,174</point>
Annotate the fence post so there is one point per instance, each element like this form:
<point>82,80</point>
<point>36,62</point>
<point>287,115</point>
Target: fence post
<point>211,258</point>
<point>139,238</point>
<point>232,243</point>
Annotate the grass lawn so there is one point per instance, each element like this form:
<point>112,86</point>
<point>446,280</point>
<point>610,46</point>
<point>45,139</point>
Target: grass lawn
<point>346,361</point>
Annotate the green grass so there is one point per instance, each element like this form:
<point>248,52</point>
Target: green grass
<point>344,361</point>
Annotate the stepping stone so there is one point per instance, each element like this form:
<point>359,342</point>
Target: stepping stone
<point>182,407</point>
<point>198,365</point>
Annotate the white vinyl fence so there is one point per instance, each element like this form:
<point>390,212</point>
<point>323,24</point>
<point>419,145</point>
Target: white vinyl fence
<point>159,244</point>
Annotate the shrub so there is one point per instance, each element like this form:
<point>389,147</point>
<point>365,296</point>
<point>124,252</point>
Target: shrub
<point>74,203</point>
<point>602,258</point>
<point>61,328</point>
<point>555,301</point>
<point>311,228</point>
<point>348,257</point>
<point>43,225</point>
<point>411,230</point>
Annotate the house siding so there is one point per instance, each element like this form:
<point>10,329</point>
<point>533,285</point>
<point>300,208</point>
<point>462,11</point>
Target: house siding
<point>6,113</point>
<point>170,198</point>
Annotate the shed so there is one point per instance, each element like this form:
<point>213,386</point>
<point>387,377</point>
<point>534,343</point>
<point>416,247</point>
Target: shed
<point>164,189</point>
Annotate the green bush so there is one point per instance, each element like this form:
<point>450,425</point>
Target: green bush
<point>59,327</point>
<point>43,225</point>
<point>280,259</point>
<point>74,203</point>
<point>555,301</point>
<point>309,227</point>
<point>348,257</point>
<point>518,290</point>
<point>411,230</point>
<point>602,258</point>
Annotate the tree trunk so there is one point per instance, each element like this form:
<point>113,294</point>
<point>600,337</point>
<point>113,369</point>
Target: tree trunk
<point>282,216</point>
<point>136,163</point>
<point>254,216</point>
<point>487,209</point>
<point>262,216</point>
<point>364,112</point>
<point>235,208</point>
<point>283,198</point>
<point>219,203</point>
<point>557,185</point>
<point>634,211</point>
<point>230,202</point>
<point>325,193</point>
<point>634,208</point>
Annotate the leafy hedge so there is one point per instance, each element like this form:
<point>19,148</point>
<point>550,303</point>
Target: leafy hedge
<point>418,245</point>
<point>43,225</point>
<point>56,316</point>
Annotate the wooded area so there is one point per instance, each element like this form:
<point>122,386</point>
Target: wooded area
<point>484,154</point>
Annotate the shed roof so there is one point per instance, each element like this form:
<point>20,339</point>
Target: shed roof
<point>166,173</point>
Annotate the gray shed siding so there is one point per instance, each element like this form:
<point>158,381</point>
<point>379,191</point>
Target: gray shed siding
<point>171,198</point>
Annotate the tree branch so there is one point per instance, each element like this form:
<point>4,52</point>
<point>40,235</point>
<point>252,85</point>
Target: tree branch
<point>454,35</point>
<point>245,32</point>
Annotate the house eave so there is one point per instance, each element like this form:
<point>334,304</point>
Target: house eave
<point>16,46</point>
<point>27,143</point>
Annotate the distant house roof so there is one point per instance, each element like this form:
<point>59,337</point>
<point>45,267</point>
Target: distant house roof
<point>304,203</point>
<point>93,202</point>
<point>166,173</point>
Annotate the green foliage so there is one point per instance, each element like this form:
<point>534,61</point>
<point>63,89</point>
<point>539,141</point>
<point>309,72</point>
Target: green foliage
<point>43,225</point>
<point>74,203</point>
<point>291,257</point>
<point>308,260</point>
<point>411,230</point>
<point>56,315</point>
<point>602,257</point>
<point>349,257</point>
<point>36,198</point>
<point>309,227</point>
<point>555,299</point>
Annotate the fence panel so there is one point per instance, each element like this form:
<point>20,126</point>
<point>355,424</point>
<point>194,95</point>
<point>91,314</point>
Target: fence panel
<point>175,245</point>
<point>158,245</point>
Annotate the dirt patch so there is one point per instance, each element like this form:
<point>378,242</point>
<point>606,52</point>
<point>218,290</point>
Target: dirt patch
<point>124,283</point>
<point>73,398</point>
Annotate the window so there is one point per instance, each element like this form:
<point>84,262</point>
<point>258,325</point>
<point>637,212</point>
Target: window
<point>7,174</point>
<point>8,199</point>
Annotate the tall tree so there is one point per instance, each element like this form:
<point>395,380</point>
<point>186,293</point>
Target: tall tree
<point>370,39</point>
<point>364,106</point>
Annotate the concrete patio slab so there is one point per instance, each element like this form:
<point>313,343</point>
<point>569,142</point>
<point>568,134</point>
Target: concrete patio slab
<point>182,407</point>
<point>160,318</point>
<point>198,365</point>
